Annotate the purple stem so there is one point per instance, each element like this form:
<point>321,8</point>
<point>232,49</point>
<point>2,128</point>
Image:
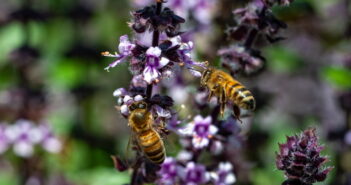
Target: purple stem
<point>155,41</point>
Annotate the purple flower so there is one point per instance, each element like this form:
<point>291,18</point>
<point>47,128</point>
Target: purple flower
<point>153,63</point>
<point>49,142</point>
<point>237,58</point>
<point>300,159</point>
<point>148,19</point>
<point>23,136</point>
<point>223,175</point>
<point>125,48</point>
<point>168,172</point>
<point>138,81</point>
<point>184,51</point>
<point>4,140</point>
<point>195,174</point>
<point>161,112</point>
<point>203,11</point>
<point>201,130</point>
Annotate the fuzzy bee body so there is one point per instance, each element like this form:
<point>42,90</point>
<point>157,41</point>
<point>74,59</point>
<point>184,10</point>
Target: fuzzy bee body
<point>148,139</point>
<point>226,88</point>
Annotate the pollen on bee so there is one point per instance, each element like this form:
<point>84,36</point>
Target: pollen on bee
<point>181,64</point>
<point>104,53</point>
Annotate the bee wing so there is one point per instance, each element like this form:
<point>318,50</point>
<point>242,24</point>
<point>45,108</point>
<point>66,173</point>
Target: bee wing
<point>131,145</point>
<point>169,140</point>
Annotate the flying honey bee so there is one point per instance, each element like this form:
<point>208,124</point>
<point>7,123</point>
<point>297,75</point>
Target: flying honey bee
<point>147,138</point>
<point>226,88</point>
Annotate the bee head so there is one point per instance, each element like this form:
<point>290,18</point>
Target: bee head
<point>206,75</point>
<point>139,113</point>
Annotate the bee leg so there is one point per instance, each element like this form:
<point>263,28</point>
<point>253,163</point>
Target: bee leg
<point>222,100</point>
<point>210,96</point>
<point>212,91</point>
<point>236,111</point>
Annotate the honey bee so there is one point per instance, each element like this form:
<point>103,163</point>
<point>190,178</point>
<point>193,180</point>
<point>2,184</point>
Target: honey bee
<point>147,138</point>
<point>226,88</point>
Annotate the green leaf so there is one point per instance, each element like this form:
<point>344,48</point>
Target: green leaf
<point>338,76</point>
<point>11,37</point>
<point>67,73</point>
<point>282,60</point>
<point>98,176</point>
<point>8,178</point>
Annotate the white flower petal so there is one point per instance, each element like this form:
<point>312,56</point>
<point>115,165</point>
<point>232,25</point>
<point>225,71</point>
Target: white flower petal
<point>154,52</point>
<point>125,46</point>
<point>127,98</point>
<point>119,92</point>
<point>161,112</point>
<point>225,166</point>
<point>138,98</point>
<point>194,72</point>
<point>187,130</point>
<point>198,119</point>
<point>214,176</point>
<point>208,120</point>
<point>177,40</point>
<point>179,94</point>
<point>124,110</point>
<point>52,145</point>
<point>115,63</point>
<point>213,129</point>
<point>184,155</point>
<point>230,179</point>
<point>163,62</point>
<point>36,135</point>
<point>200,142</point>
<point>150,74</point>
<point>23,149</point>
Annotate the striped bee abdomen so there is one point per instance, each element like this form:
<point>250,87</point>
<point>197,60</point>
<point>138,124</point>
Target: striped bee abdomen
<point>240,95</point>
<point>152,146</point>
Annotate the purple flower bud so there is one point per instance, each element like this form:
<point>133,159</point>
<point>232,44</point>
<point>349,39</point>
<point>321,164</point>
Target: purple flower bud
<point>237,58</point>
<point>148,19</point>
<point>124,110</point>
<point>119,92</point>
<point>300,159</point>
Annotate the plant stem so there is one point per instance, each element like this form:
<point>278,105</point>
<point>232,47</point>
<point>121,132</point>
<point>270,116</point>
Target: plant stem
<point>251,38</point>
<point>155,41</point>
